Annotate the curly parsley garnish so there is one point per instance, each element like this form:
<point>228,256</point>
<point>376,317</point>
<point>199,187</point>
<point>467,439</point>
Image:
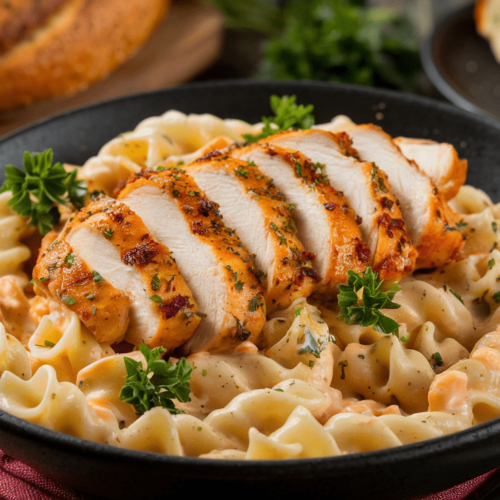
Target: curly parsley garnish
<point>41,185</point>
<point>361,299</point>
<point>287,115</point>
<point>158,384</point>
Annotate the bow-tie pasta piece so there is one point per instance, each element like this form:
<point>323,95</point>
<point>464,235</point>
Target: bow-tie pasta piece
<point>68,350</point>
<point>60,406</point>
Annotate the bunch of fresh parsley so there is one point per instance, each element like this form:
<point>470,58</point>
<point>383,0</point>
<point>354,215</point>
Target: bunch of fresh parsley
<point>361,299</point>
<point>37,189</point>
<point>331,40</point>
<point>158,384</point>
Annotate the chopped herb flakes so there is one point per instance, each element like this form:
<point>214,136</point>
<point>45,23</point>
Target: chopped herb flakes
<point>241,172</point>
<point>155,283</point>
<point>255,303</point>
<point>310,346</point>
<point>97,277</point>
<point>70,259</point>
<point>437,358</point>
<point>156,298</point>
<point>456,295</point>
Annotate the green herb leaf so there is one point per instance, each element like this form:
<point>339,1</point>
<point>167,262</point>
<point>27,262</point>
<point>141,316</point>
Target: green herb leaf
<point>361,299</point>
<point>156,298</point>
<point>287,115</point>
<point>456,295</point>
<point>70,259</point>
<point>41,185</point>
<point>97,277</point>
<point>69,300</point>
<point>158,384</point>
<point>310,346</point>
<point>437,358</point>
<point>156,283</point>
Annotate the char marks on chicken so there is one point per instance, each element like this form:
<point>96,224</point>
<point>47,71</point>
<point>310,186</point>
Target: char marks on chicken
<point>212,259</point>
<point>263,219</point>
<point>368,192</point>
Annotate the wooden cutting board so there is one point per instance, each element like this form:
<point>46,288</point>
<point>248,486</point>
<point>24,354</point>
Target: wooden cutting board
<point>187,41</point>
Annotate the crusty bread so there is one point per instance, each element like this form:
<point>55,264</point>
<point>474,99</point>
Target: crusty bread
<point>58,47</point>
<point>487,19</point>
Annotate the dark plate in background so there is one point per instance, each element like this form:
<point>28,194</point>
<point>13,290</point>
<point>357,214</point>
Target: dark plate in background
<point>460,64</point>
<point>407,472</point>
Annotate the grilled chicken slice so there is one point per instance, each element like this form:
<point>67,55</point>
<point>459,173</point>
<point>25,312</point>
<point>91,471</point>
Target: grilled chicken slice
<point>368,192</point>
<point>61,274</point>
<point>431,222</point>
<point>325,221</point>
<point>261,216</point>
<point>210,256</point>
<point>439,160</point>
<point>113,240</point>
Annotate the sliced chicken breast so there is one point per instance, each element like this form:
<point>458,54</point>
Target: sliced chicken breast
<point>252,205</point>
<point>439,160</point>
<point>211,258</point>
<point>431,222</point>
<point>113,240</point>
<point>369,193</point>
<point>62,275</point>
<point>325,221</point>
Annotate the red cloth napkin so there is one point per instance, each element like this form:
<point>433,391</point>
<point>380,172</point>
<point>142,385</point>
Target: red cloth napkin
<point>20,482</point>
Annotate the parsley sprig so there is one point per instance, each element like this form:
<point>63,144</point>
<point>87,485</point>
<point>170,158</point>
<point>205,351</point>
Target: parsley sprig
<point>41,185</point>
<point>158,384</point>
<point>287,115</point>
<point>361,299</point>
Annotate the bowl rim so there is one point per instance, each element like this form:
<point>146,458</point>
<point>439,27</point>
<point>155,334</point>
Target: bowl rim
<point>431,65</point>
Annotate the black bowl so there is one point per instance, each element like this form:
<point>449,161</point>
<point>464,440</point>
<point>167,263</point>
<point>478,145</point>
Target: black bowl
<point>407,472</point>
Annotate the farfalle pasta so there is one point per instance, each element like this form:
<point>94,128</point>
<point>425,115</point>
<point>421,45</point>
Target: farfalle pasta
<point>309,385</point>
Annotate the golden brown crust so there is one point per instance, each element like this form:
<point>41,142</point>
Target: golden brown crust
<point>81,43</point>
<point>439,240</point>
<point>244,307</point>
<point>348,249</point>
<point>480,16</point>
<point>294,276</point>
<point>395,255</point>
<point>18,19</point>
<point>161,277</point>
<point>454,178</point>
<point>60,273</point>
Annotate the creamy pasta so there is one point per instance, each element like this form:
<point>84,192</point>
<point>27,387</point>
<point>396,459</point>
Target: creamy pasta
<point>363,391</point>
